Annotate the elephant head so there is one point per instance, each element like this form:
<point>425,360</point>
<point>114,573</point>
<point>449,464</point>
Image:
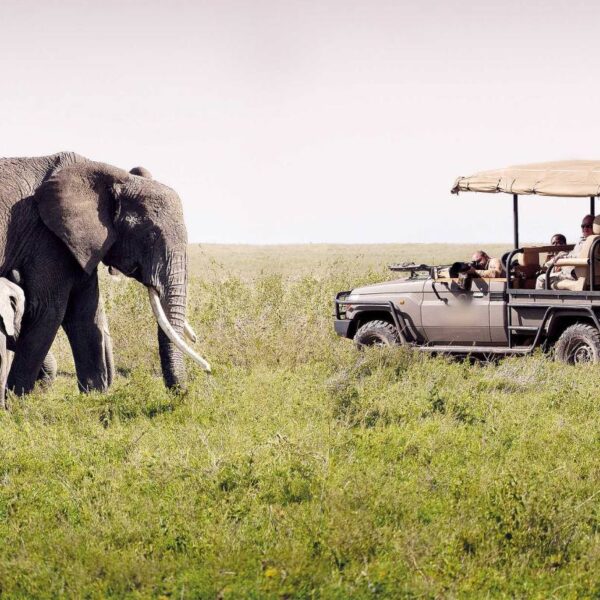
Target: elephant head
<point>12,307</point>
<point>134,224</point>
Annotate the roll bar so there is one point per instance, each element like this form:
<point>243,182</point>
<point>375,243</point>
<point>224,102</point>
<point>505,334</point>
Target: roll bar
<point>516,215</point>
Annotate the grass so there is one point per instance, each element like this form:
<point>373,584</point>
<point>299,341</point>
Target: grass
<point>301,468</point>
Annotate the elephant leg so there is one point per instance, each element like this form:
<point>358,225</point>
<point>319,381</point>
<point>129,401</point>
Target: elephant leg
<point>37,334</point>
<point>87,329</point>
<point>48,371</point>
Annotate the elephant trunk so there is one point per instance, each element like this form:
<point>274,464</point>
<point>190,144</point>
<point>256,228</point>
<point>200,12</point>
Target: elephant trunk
<point>168,301</point>
<point>174,337</point>
<point>173,293</point>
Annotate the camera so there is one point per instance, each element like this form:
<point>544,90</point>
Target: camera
<point>459,268</point>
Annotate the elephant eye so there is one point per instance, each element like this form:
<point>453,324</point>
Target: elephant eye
<point>132,220</point>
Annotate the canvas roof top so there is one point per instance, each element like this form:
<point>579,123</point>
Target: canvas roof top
<point>576,178</point>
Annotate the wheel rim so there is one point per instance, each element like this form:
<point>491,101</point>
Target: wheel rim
<point>375,340</point>
<point>580,352</point>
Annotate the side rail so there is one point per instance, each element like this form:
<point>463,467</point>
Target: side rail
<point>552,314</point>
<point>508,264</point>
<point>593,262</point>
<point>342,304</point>
<point>577,262</point>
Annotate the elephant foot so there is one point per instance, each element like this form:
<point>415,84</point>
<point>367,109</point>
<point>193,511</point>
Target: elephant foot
<point>48,371</point>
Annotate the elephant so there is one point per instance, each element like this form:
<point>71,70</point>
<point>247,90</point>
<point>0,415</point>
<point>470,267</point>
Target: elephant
<point>60,216</point>
<point>12,307</point>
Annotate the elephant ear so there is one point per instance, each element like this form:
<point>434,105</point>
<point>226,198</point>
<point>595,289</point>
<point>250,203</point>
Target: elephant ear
<point>78,204</point>
<point>141,172</point>
<point>12,307</point>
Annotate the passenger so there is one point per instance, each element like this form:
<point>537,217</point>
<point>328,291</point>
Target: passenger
<point>587,224</point>
<point>484,266</point>
<point>558,239</point>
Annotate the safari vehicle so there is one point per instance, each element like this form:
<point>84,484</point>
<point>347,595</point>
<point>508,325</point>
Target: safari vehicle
<point>432,310</point>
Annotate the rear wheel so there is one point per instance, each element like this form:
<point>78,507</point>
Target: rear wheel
<point>376,333</point>
<point>579,343</point>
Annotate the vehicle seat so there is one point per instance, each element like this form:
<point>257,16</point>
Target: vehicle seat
<point>529,263</point>
<point>525,268</point>
<point>581,265</point>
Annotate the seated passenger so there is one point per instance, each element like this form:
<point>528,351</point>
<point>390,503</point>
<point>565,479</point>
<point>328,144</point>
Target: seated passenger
<point>558,239</point>
<point>484,266</point>
<point>561,273</point>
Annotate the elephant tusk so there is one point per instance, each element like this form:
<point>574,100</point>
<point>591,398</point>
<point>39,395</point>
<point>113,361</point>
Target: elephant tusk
<point>189,333</point>
<point>163,323</point>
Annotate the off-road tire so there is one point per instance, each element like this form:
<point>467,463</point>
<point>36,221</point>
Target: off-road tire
<point>376,333</point>
<point>578,343</point>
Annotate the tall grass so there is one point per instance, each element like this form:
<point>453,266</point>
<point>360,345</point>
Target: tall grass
<point>301,468</point>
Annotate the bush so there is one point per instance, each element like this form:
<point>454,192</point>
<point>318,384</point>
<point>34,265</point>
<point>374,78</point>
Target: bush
<point>301,468</point>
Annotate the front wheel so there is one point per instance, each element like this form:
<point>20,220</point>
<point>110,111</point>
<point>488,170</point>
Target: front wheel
<point>579,343</point>
<point>376,333</point>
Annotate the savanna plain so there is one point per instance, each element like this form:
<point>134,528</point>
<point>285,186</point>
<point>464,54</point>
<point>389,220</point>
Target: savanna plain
<point>301,468</point>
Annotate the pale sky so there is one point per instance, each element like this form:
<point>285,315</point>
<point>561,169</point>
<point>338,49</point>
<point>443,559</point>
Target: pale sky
<point>284,121</point>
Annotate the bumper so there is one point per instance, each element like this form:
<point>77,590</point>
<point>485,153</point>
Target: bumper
<point>341,326</point>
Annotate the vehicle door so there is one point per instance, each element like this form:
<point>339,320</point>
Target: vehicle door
<point>498,302</point>
<point>451,314</point>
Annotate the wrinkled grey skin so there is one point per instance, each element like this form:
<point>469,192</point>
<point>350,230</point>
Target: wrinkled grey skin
<point>49,368</point>
<point>60,216</point>
<point>12,306</point>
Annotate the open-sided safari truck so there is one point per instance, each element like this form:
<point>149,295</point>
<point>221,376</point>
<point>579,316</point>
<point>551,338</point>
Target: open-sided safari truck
<point>435,312</point>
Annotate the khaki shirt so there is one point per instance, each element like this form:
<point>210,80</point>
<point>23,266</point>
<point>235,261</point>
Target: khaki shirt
<point>577,249</point>
<point>570,271</point>
<point>493,269</point>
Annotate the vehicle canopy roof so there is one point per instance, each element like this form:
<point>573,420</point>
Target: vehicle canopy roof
<point>574,178</point>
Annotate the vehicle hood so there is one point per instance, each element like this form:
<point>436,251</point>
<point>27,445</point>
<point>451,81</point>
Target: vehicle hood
<point>390,287</point>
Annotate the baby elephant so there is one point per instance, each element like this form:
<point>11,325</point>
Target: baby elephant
<point>12,306</point>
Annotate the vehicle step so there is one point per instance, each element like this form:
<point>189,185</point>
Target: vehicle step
<point>475,349</point>
<point>523,328</point>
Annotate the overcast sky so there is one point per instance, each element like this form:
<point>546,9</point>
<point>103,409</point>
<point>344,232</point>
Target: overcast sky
<point>284,121</point>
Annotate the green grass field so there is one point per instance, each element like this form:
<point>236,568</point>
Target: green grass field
<point>301,468</point>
